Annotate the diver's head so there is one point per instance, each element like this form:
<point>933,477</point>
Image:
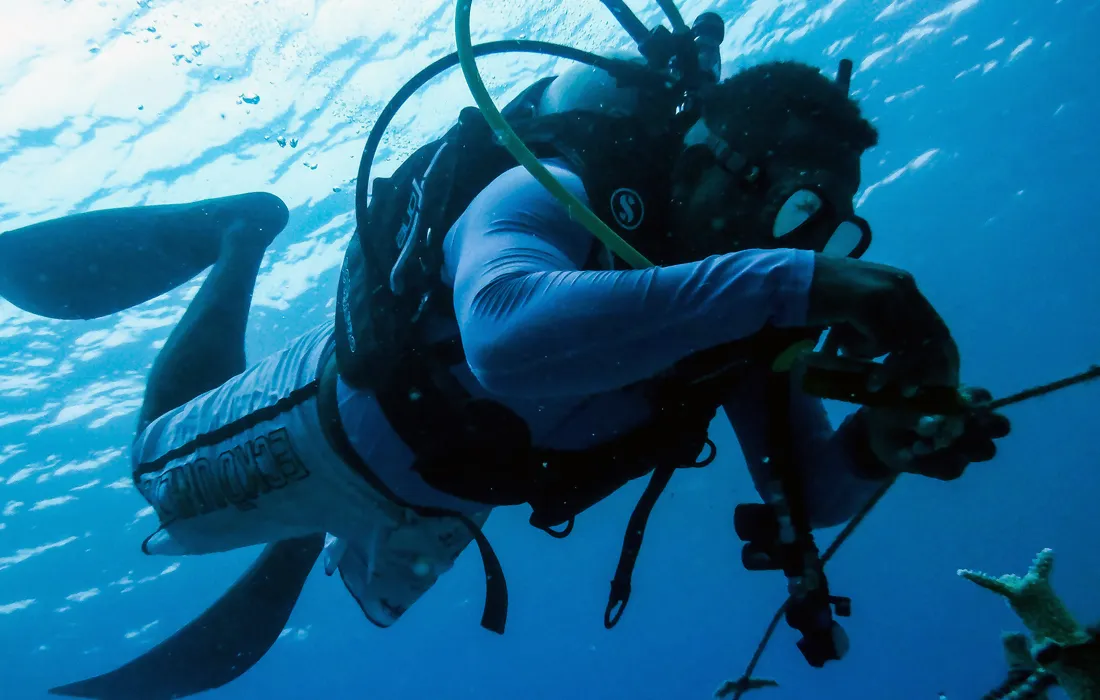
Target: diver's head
<point>773,163</point>
<point>590,89</point>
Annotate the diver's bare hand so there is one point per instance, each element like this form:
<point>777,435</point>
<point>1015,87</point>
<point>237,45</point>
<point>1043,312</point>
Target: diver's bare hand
<point>940,447</point>
<point>878,310</point>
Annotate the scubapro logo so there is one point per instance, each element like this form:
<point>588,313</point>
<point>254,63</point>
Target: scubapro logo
<point>627,208</point>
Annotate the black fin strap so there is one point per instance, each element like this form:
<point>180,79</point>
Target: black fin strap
<point>632,545</point>
<point>495,613</point>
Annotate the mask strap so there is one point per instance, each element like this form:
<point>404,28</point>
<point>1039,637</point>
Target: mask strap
<point>730,160</point>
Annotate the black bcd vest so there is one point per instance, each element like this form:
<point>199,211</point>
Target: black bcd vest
<point>478,449</point>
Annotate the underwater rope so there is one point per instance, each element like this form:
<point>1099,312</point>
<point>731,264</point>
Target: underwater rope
<point>743,684</point>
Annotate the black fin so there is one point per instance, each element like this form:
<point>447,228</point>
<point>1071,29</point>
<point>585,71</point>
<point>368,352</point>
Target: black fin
<point>98,263</point>
<point>222,643</point>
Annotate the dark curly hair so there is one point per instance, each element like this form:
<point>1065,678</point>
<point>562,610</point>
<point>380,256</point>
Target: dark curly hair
<point>752,108</point>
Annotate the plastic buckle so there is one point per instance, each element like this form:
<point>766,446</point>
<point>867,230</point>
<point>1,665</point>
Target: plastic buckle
<point>823,639</point>
<point>659,47</point>
<point>841,606</point>
<point>824,645</point>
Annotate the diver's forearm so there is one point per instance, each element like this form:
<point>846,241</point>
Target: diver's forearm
<point>586,332</point>
<point>838,472</point>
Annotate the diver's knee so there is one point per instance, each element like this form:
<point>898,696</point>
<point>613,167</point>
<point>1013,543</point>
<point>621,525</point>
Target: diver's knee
<point>271,213</point>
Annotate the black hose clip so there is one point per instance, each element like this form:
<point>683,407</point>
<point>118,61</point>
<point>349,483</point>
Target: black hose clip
<point>708,32</point>
<point>823,639</point>
<point>810,609</point>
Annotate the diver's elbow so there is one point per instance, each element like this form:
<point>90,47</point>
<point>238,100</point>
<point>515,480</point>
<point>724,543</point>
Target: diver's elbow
<point>832,512</point>
<point>496,368</point>
<point>829,518</point>
<point>503,350</point>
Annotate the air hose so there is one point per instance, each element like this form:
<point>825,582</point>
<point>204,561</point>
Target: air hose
<point>511,141</point>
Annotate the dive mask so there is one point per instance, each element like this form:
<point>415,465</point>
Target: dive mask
<point>800,209</point>
<point>807,219</point>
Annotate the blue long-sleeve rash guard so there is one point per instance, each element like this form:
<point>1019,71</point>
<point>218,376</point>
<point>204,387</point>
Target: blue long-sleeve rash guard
<point>561,346</point>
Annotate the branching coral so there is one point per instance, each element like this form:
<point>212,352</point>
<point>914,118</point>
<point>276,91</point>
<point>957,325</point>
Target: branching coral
<point>1064,648</point>
<point>743,685</point>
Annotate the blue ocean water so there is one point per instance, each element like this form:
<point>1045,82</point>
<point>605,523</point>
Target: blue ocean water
<point>984,186</point>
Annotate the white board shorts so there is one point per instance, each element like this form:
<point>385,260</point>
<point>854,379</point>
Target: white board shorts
<point>247,463</point>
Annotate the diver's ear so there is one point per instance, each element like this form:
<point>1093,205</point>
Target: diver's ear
<point>691,165</point>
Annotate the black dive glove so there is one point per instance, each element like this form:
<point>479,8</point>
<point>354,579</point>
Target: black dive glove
<point>884,442</point>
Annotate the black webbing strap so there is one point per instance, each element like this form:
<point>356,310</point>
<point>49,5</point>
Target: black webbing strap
<point>635,533</point>
<point>495,613</point>
<point>632,544</point>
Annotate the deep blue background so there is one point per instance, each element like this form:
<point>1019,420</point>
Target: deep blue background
<point>1000,229</point>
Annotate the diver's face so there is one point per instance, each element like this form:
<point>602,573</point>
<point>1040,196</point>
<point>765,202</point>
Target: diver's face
<point>721,211</point>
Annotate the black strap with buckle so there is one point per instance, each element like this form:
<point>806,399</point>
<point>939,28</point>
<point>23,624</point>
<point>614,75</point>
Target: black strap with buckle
<point>495,612</point>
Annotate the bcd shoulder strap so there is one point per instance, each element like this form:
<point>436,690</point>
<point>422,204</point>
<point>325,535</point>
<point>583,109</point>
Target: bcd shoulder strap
<point>625,165</point>
<point>391,266</point>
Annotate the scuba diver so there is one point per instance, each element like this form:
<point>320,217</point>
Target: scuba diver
<point>489,350</point>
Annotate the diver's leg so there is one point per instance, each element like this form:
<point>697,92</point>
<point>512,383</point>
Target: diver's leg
<point>98,263</point>
<point>206,348</point>
<point>222,643</point>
